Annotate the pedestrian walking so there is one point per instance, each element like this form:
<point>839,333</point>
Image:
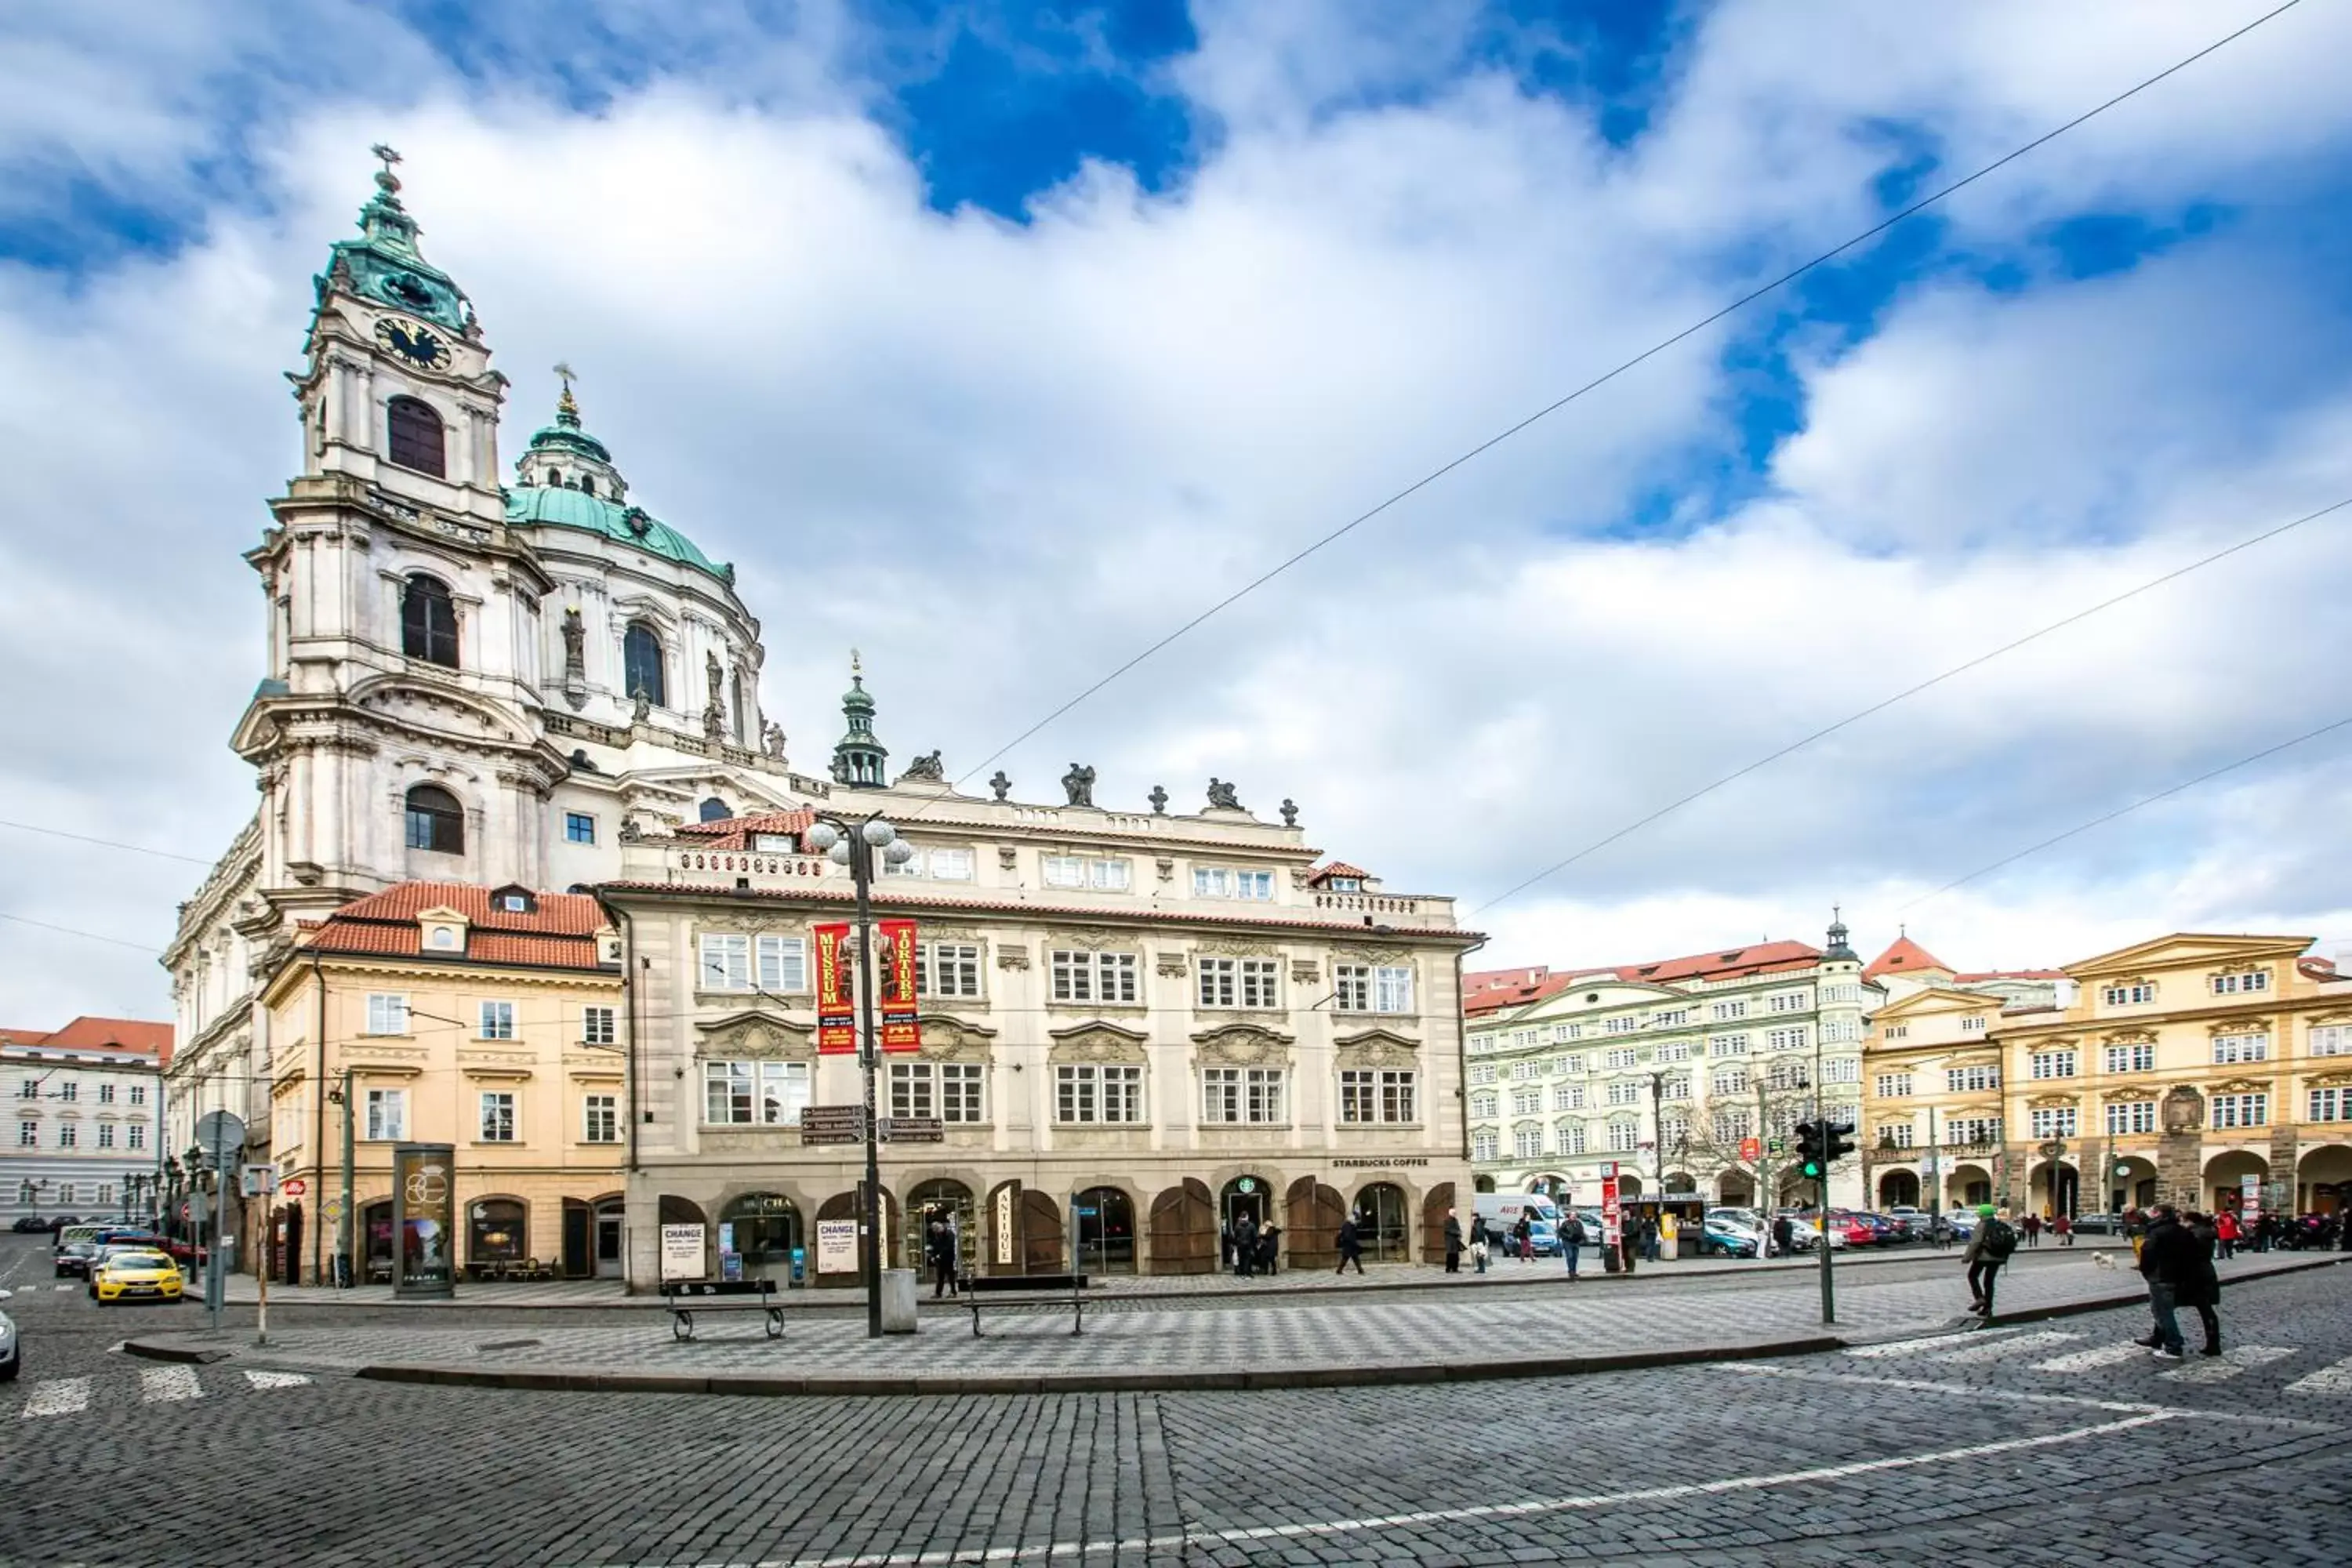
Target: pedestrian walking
<point>2225,1233</point>
<point>1784,1235</point>
<point>940,1247</point>
<point>1649,1240</point>
<point>1226,1244</point>
<point>2034,1230</point>
<point>1453,1242</point>
<point>1989,1247</point>
<point>2179,1268</point>
<point>1244,1246</point>
<point>1481,1242</point>
<point>2063,1229</point>
<point>1351,1246</point>
<point>1523,1238</point>
<point>1269,1248</point>
<point>1571,1240</point>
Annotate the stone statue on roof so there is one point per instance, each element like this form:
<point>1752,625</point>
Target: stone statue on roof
<point>1079,785</point>
<point>928,768</point>
<point>1222,795</point>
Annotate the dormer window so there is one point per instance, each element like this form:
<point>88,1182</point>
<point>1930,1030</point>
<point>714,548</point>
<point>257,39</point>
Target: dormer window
<point>442,939</point>
<point>1346,884</point>
<point>514,900</point>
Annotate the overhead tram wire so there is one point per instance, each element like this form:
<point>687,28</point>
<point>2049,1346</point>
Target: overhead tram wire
<point>1907,692</point>
<point>2105,818</point>
<point>92,935</point>
<point>104,843</point>
<point>1655,349</point>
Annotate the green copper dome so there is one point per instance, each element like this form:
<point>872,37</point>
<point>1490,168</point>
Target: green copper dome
<point>554,506</point>
<point>384,265</point>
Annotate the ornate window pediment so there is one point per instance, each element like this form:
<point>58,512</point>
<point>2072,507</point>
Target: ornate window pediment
<point>2050,1101</point>
<point>2241,1026</point>
<point>2129,1038</point>
<point>1093,938</point>
<point>1237,947</point>
<point>2329,1080</point>
<point>949,1039</point>
<point>1242,1045</point>
<point>1374,956</point>
<point>757,1033</point>
<point>734,923</point>
<point>2129,1096</point>
<point>1098,1041</point>
<point>1376,1048</point>
<point>2242,1086</point>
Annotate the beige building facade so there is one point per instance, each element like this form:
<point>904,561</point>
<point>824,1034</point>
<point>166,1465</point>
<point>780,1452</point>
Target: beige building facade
<point>1134,1027</point>
<point>487,1019</point>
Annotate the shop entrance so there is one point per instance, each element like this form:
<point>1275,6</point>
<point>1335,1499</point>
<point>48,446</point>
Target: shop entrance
<point>1104,1218</point>
<point>764,1228</point>
<point>1248,1195</point>
<point>610,1263</point>
<point>1380,1222</point>
<point>949,1201</point>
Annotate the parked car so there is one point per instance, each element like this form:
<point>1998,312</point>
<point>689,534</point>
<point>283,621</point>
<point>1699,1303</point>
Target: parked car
<point>1720,1238</point>
<point>2099,1224</point>
<point>1915,1223</point>
<point>73,1259</point>
<point>11,1358</point>
<point>30,1222</point>
<point>135,1274</point>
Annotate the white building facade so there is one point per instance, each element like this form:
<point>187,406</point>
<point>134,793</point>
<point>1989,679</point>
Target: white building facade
<point>84,1135</point>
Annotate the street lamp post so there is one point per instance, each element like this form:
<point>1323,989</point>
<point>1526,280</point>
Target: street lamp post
<point>852,845</point>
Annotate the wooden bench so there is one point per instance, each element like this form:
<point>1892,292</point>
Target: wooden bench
<point>685,1297</point>
<point>1024,1289</point>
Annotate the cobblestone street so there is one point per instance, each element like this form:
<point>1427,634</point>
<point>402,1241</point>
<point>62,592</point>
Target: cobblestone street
<point>2052,1442</point>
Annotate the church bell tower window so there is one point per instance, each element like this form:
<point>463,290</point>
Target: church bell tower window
<point>416,439</point>
<point>428,622</point>
<point>641,664</point>
<point>435,822</point>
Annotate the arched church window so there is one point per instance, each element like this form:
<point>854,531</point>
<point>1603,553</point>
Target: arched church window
<point>641,664</point>
<point>587,485</point>
<point>715,810</point>
<point>436,821</point>
<point>416,440</point>
<point>428,621</point>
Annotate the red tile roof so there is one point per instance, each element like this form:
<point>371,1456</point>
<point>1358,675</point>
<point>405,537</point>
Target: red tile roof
<point>560,933</point>
<point>1985,974</point>
<point>736,832</point>
<point>1488,990</point>
<point>130,1035</point>
<point>1324,873</point>
<point>1905,955</point>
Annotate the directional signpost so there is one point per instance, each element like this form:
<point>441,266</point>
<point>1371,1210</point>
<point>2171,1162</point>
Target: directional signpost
<point>220,1134</point>
<point>913,1130</point>
<point>823,1125</point>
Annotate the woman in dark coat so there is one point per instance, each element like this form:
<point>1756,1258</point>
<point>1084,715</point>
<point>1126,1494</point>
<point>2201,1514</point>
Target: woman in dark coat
<point>1269,1247</point>
<point>2196,1284</point>
<point>1351,1246</point>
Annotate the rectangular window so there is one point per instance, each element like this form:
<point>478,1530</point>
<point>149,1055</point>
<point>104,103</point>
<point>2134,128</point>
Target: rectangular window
<point>1842,1070</point>
<point>598,1027</point>
<point>950,865</point>
<point>1526,1143</point>
<point>106,1134</point>
<point>1623,1136</point>
<point>1568,1096</point>
<point>960,1093</point>
<point>67,1135</point>
<point>1734,1008</point>
<point>1624,1056</point>
<point>138,1094</point>
<point>2241,1109</point>
<point>946,968</point>
<point>2140,1057</point>
<point>1894,1085</point>
<point>1568,1137</point>
<point>1623,1026</point>
<point>1971,1079</point>
<point>2332,1040</point>
<point>2231,1049</point>
<point>1251,983</point>
<point>2239,984</point>
<point>761,1093</point>
<point>1080,975</point>
<point>1385,1095</point>
<point>2057,1121</point>
<point>138,1135</point>
<point>1672,1018</point>
<point>106,1094</point>
<point>1731,1126</point>
<point>1526,1101</point>
<point>1898,1031</point>
<point>1222,882</point>
<point>1089,1095</point>
<point>600,1118</point>
<point>1791,1001</point>
<point>2052,1064</point>
<point>579,828</point>
<point>1675,1086</point>
<point>1351,987</point>
<point>1485,1146</point>
<point>1897,1133</point>
<point>784,964</point>
<point>1392,989</point>
<point>1973,1024</point>
<point>1242,1094</point>
<point>1625,1091</point>
<point>1676,1051</point>
<point>1483,1072</point>
<point>948,1090</point>
<point>2330,1105</point>
<point>69,1092</point>
<point>1969,1131</point>
<point>1731,1081</point>
<point>1084,871</point>
<point>29,1089</point>
<point>387,1114</point>
<point>726,963</point>
<point>497,1116</point>
<point>2129,995</point>
<point>2131,1115</point>
<point>913,1092</point>
<point>1727,1045</point>
<point>28,1135</point>
<point>1789,1040</point>
<point>497,1021</point>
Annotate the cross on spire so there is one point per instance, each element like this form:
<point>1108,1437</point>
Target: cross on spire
<point>385,155</point>
<point>566,411</point>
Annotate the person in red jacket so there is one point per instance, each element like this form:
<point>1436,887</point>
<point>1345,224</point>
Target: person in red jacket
<point>2225,1230</point>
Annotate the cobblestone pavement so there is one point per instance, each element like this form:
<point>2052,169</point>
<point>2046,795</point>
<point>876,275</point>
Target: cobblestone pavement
<point>2044,1443</point>
<point>1412,1329</point>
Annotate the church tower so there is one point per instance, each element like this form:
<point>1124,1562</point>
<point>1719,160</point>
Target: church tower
<point>858,759</point>
<point>396,729</point>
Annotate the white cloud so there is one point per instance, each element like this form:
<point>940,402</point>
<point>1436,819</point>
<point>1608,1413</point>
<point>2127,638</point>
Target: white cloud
<point>1054,443</point>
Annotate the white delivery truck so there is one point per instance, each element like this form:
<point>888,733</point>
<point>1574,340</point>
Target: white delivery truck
<point>1501,1211</point>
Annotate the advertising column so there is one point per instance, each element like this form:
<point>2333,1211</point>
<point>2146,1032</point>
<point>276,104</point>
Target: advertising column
<point>424,1219</point>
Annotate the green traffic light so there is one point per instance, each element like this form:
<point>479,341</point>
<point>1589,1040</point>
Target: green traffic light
<point>1812,1170</point>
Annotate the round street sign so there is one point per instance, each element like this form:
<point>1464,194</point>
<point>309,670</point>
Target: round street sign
<point>293,1186</point>
<point>334,1208</point>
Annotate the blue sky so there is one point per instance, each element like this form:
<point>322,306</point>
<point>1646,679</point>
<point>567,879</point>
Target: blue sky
<point>1079,315</point>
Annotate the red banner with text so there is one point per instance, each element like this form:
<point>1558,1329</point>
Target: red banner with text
<point>895,969</point>
<point>837,1012</point>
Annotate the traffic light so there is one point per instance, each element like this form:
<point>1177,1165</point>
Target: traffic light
<point>1810,1160</point>
<point>1837,1141</point>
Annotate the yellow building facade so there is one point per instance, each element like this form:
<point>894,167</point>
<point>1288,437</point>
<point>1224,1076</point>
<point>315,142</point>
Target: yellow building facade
<point>2210,1071</point>
<point>488,1020</point>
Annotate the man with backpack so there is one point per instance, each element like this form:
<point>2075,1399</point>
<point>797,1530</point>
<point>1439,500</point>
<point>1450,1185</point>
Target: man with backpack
<point>1988,1249</point>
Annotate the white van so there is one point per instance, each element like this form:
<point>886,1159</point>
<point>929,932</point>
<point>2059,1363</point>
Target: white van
<point>1501,1211</point>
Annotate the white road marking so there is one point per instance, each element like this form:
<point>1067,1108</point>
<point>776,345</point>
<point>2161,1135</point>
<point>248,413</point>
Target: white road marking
<point>276,1379</point>
<point>61,1287</point>
<point>2098,1355</point>
<point>2228,1364</point>
<point>162,1384</point>
<point>57,1396</point>
<point>1243,1535</point>
<point>2335,1379</point>
<point>2015,1397</point>
<point>1930,1346</point>
<point>1994,1350</point>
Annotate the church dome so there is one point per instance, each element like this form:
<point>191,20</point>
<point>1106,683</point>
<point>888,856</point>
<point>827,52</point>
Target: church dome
<point>566,479</point>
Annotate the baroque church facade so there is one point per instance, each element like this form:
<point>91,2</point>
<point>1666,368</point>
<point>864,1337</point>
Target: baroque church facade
<point>469,677</point>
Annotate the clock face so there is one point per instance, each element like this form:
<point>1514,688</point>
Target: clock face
<point>417,343</point>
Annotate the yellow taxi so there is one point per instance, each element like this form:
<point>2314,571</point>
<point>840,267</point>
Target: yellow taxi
<point>132,1276</point>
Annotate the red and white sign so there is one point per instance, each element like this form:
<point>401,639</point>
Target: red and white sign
<point>836,1017</point>
<point>293,1187</point>
<point>1750,1148</point>
<point>895,964</point>
<point>1611,1230</point>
